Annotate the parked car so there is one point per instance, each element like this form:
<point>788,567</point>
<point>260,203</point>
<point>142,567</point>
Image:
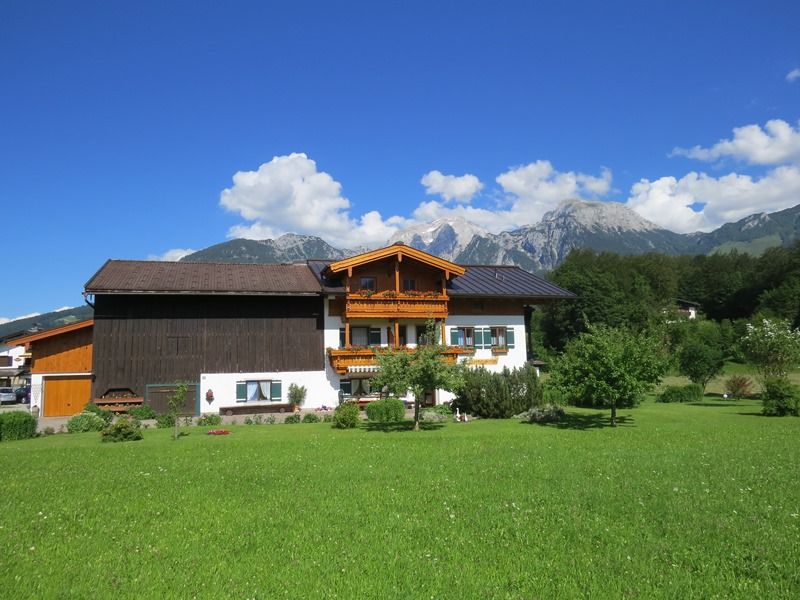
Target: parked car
<point>23,394</point>
<point>7,395</point>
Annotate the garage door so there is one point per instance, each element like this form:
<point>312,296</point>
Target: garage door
<point>66,396</point>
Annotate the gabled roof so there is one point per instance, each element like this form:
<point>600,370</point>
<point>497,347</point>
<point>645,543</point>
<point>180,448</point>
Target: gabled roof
<point>398,250</point>
<point>158,277</point>
<point>41,335</point>
<point>505,282</point>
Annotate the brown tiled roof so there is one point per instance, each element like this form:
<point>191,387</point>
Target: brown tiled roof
<point>134,276</point>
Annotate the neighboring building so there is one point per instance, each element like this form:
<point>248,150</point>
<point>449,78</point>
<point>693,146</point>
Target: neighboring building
<point>61,368</point>
<point>244,332</point>
<point>687,309</point>
<point>13,366</point>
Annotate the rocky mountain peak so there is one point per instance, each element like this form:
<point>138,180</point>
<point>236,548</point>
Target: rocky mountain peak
<point>599,215</point>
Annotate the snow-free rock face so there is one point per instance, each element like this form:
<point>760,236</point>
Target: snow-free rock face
<point>446,238</point>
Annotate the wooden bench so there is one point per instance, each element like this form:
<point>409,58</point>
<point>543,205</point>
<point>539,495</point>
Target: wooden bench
<point>119,405</point>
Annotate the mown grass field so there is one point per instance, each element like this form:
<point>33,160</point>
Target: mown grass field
<point>680,501</point>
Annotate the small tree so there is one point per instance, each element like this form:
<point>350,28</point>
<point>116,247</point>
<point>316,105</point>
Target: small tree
<point>700,362</point>
<point>175,403</point>
<point>297,395</point>
<point>608,366</point>
<point>420,370</point>
<point>772,347</point>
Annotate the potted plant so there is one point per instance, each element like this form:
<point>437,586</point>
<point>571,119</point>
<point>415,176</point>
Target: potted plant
<point>297,396</point>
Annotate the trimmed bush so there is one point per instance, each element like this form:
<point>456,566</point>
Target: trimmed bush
<point>780,398</point>
<point>681,393</point>
<point>17,425</point>
<point>86,421</point>
<point>209,420</point>
<point>124,430</point>
<point>311,418</point>
<point>142,412</point>
<point>390,410</point>
<point>106,415</point>
<point>346,415</point>
<point>292,419</point>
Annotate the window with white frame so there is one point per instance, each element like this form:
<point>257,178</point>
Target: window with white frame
<point>462,336</point>
<point>258,390</point>
<point>485,338</point>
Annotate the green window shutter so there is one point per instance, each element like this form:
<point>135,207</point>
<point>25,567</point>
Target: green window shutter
<point>275,390</point>
<point>510,337</point>
<point>479,338</point>
<point>241,391</point>
<point>454,337</point>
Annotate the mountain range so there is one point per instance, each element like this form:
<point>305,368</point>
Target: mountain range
<point>600,226</point>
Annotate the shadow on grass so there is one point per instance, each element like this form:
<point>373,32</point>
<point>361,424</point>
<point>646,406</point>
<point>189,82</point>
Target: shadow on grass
<point>402,426</point>
<point>582,422</point>
<point>713,404</point>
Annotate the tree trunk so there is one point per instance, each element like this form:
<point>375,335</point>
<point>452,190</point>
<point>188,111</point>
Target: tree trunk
<point>416,412</point>
<point>614,413</point>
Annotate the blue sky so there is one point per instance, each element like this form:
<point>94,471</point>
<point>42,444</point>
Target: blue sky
<point>123,125</point>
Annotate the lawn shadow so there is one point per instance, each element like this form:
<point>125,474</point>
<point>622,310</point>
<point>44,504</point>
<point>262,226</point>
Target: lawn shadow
<point>401,426</point>
<point>582,422</point>
<point>713,404</point>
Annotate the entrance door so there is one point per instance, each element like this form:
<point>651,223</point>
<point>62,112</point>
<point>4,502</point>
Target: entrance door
<point>66,396</point>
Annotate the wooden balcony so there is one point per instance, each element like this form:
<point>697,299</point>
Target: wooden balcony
<point>396,306</point>
<point>353,360</point>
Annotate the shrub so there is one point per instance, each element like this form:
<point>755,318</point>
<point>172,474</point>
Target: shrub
<point>390,410</point>
<point>552,395</point>
<point>293,418</point>
<point>209,420</point>
<point>681,393</point>
<point>297,394</point>
<point>499,395</point>
<point>548,413</point>
<point>327,418</point>
<point>738,386</point>
<point>166,421</point>
<point>48,431</point>
<point>17,425</point>
<point>124,430</point>
<point>106,415</point>
<point>86,421</point>
<point>310,418</point>
<point>780,398</point>
<point>432,416</point>
<point>346,415</point>
<point>442,409</point>
<point>142,412</point>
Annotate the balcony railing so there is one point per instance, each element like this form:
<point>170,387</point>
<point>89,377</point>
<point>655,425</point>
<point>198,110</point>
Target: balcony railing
<point>396,306</point>
<point>359,360</point>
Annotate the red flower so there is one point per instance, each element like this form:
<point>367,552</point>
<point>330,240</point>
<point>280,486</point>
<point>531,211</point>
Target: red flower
<point>218,432</point>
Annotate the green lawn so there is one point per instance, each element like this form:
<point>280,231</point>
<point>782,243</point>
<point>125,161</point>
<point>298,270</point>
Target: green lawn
<point>680,501</point>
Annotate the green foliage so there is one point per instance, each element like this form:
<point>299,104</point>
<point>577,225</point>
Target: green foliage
<point>390,410</point>
<point>773,348</point>
<point>610,367</point>
<point>175,403</point>
<point>346,415</point>
<point>546,413</point>
<point>681,393</point>
<point>209,420</point>
<point>311,418</point>
<point>123,430</point>
<point>700,361</point>
<point>166,421</point>
<point>106,415</point>
<point>420,370</point>
<point>780,397</point>
<point>499,395</point>
<point>293,419</point>
<point>85,421</point>
<point>297,394</point>
<point>738,386</point>
<point>142,412</point>
<point>17,425</point>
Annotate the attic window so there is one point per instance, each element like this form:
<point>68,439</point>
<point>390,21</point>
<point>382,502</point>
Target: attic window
<point>368,283</point>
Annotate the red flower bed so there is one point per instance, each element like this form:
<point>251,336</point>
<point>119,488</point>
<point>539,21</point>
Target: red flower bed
<point>218,432</point>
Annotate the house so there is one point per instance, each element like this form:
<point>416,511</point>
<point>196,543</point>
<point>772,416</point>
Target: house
<point>13,367</point>
<point>60,367</point>
<point>242,333</point>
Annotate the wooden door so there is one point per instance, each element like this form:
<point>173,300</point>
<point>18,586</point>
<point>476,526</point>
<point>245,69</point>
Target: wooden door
<point>66,396</point>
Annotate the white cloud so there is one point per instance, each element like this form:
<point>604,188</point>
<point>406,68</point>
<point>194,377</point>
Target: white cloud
<point>289,194</point>
<point>666,201</point>
<point>777,143</point>
<point>451,187</point>
<point>171,255</point>
<point>793,75</point>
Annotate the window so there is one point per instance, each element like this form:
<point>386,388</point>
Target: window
<point>409,285</point>
<point>368,283</point>
<point>258,390</point>
<point>498,337</point>
<point>355,388</point>
<point>422,335</point>
<point>462,336</point>
<point>363,336</point>
<point>493,337</point>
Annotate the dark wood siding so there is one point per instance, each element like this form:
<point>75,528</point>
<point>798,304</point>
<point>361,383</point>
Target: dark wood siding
<point>140,339</point>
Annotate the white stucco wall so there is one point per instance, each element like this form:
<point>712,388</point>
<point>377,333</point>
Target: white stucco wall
<point>514,358</point>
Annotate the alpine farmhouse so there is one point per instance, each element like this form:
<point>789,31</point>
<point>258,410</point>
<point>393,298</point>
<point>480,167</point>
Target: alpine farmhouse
<point>242,333</point>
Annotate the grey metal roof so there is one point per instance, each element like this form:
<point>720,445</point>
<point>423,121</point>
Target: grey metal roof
<point>505,281</point>
<point>329,285</point>
<point>134,276</point>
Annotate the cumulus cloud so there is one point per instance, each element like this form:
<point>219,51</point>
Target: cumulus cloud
<point>793,75</point>
<point>668,201</point>
<point>777,143</point>
<point>451,187</point>
<point>172,255</point>
<point>289,194</point>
